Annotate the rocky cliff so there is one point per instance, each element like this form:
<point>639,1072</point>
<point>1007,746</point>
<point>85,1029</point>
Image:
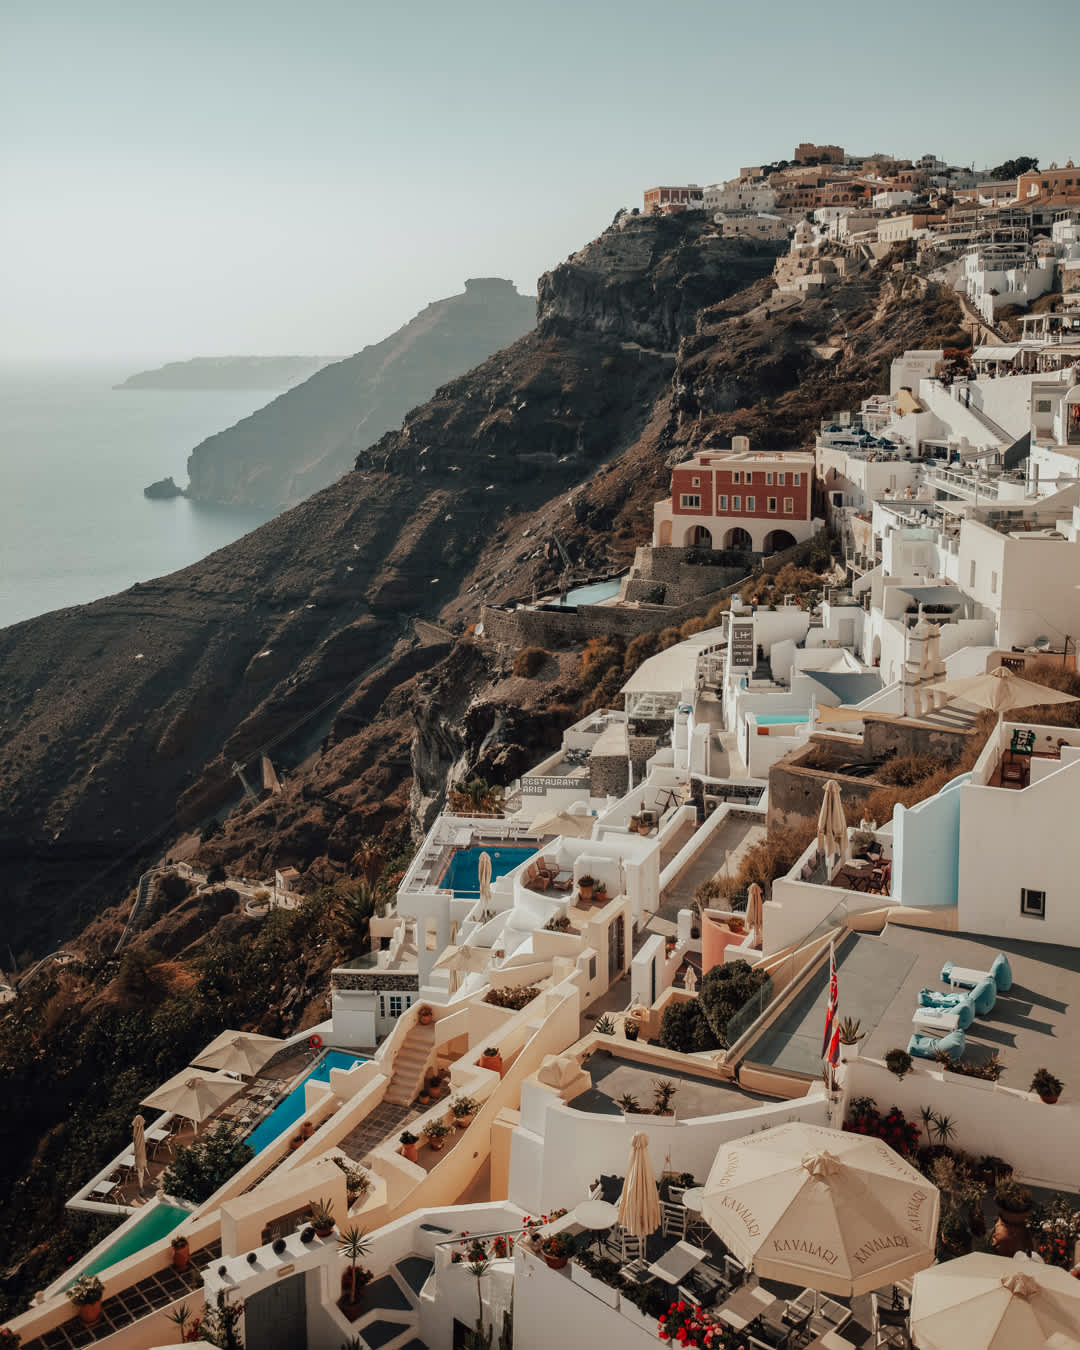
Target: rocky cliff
<point>310,435</point>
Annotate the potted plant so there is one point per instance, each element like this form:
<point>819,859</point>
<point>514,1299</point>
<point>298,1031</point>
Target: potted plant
<point>605,1025</point>
<point>322,1217</point>
<point>424,1015</point>
<point>1014,1209</point>
<point>408,1142</point>
<point>557,1250</point>
<point>491,1059</point>
<point>434,1086</point>
<point>663,1091</point>
<point>849,1035</point>
<point>631,1028</point>
<point>357,1184</point>
<point>353,1245</point>
<point>181,1253</point>
<point>736,923</point>
<point>435,1133</point>
<point>600,893</point>
<point>898,1062</point>
<point>423,1096</point>
<point>307,1130</point>
<point>9,1340</point>
<point>955,1234</point>
<point>1046,1085</point>
<point>463,1110</point>
<point>295,1142</point>
<point>585,886</point>
<point>87,1294</point>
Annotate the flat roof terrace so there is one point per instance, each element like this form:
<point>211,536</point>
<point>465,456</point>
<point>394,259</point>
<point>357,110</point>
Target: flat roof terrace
<point>879,978</point>
<point>613,1077</point>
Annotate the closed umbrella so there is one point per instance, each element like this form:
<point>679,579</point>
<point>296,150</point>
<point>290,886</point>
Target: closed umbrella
<point>240,1052</point>
<point>840,1213</point>
<point>483,873</point>
<point>985,1302</point>
<point>639,1204</point>
<point>138,1147</point>
<point>690,980</point>
<point>193,1095</point>
<point>1001,690</point>
<point>832,823</point>
<point>755,914</point>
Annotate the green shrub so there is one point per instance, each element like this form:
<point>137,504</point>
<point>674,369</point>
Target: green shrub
<point>206,1164</point>
<point>724,991</point>
<point>685,1028</point>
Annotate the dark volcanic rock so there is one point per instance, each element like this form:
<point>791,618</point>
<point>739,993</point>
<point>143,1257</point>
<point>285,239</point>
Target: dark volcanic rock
<point>162,490</point>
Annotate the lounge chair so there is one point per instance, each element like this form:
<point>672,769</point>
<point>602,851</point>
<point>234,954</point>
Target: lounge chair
<point>960,1004</point>
<point>965,978</point>
<point>927,1047</point>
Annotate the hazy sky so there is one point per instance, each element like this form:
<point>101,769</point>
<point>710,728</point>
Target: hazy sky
<point>182,177</point>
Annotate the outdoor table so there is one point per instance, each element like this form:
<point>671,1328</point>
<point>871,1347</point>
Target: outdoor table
<point>829,1340</point>
<point>679,1261</point>
<point>745,1306</point>
<point>596,1215</point>
<point>105,1187</point>
<point>694,1198</point>
<point>935,1019</point>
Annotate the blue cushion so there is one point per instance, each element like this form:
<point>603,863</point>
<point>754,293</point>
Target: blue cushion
<point>946,970</point>
<point>923,1046</point>
<point>1002,973</point>
<point>984,996</point>
<point>953,1044</point>
<point>926,1047</point>
<point>955,1002</point>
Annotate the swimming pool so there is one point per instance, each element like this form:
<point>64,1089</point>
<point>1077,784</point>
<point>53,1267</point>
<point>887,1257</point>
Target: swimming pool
<point>462,876</point>
<point>153,1224</point>
<point>593,593</point>
<point>780,719</point>
<point>289,1111</point>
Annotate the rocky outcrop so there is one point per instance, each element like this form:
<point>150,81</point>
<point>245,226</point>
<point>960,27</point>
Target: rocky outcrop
<point>163,490</point>
<point>308,437</point>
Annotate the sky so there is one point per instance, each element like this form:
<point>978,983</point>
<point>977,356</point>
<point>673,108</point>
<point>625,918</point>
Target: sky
<point>255,176</point>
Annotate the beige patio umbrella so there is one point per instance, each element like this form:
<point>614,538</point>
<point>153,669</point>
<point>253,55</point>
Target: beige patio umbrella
<point>985,1302</point>
<point>1001,690</point>
<point>462,961</point>
<point>138,1147</point>
<point>241,1052</point>
<point>755,913</point>
<point>483,873</point>
<point>193,1095</point>
<point>832,823</point>
<point>639,1204</point>
<point>562,822</point>
<point>840,1213</point>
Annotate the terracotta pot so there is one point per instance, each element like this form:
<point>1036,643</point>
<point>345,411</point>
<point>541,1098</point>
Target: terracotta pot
<point>424,1099</point>
<point>294,1143</point>
<point>90,1313</point>
<point>352,1310</point>
<point>425,1019</point>
<point>1051,1100</point>
<point>586,892</point>
<point>325,1231</point>
<point>462,1122</point>
<point>409,1151</point>
<point>1011,1232</point>
<point>436,1145</point>
<point>491,1062</point>
<point>181,1256</point>
<point>555,1262</point>
<point>307,1130</point>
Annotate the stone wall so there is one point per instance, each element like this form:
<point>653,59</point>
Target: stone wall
<point>609,775</point>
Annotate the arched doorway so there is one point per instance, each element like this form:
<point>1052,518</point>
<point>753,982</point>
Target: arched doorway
<point>875,652</point>
<point>664,539</point>
<point>778,540</point>
<point>737,538</point>
<point>698,537</point>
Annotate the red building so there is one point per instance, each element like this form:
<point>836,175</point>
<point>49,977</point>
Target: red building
<point>756,501</point>
<point>669,200</point>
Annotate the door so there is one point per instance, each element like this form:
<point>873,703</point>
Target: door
<point>616,949</point>
<point>276,1317</point>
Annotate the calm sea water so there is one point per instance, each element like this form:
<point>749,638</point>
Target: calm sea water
<point>75,455</point>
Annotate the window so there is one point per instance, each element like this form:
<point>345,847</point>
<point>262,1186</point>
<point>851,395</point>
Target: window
<point>1042,405</point>
<point>691,501</point>
<point>780,477</point>
<point>736,476</point>
<point>768,480</point>
<point>971,578</point>
<point>751,503</point>
<point>695,482</point>
<point>736,503</point>
<point>749,477</point>
<point>798,480</point>
<point>382,1005</point>
<point>789,506</point>
<point>1033,903</point>
<point>772,503</point>
<point>993,583</point>
<point>592,968</point>
<point>723,503</point>
<point>395,1005</point>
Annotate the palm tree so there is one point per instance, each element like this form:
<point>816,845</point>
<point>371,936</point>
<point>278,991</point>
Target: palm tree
<point>944,1129</point>
<point>369,860</point>
<point>181,1315</point>
<point>478,1268</point>
<point>353,1244</point>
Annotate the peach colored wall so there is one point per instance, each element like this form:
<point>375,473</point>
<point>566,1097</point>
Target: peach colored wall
<point>715,937</point>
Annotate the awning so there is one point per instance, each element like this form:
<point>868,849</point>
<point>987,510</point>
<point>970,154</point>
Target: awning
<point>1001,353</point>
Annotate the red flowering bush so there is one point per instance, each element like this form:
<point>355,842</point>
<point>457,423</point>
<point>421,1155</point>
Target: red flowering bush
<point>683,1324</point>
<point>893,1127</point>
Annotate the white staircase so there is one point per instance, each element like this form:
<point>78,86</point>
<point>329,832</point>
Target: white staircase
<point>411,1063</point>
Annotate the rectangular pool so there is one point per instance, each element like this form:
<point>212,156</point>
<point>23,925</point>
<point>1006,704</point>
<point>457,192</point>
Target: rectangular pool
<point>462,876</point>
<point>593,593</point>
<point>157,1222</point>
<point>289,1111</point>
<point>780,719</point>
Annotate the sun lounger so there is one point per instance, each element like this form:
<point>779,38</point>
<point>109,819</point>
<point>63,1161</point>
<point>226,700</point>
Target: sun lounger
<point>961,1004</point>
<point>965,978</point>
<point>927,1047</point>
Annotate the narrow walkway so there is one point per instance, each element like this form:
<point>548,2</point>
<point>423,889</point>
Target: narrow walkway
<point>723,852</point>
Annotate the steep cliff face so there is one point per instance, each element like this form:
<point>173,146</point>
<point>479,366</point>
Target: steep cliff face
<point>122,721</point>
<point>309,436</point>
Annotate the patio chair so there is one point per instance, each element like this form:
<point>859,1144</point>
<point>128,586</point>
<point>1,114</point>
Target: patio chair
<point>960,1004</point>
<point>888,1325</point>
<point>928,1047</point>
<point>672,1219</point>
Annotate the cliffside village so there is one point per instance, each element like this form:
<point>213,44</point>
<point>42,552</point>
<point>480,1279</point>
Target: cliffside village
<point>588,1086</point>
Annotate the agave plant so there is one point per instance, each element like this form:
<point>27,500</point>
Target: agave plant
<point>353,1245</point>
<point>605,1025</point>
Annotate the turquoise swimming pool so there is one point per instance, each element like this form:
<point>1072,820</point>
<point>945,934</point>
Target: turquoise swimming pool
<point>156,1223</point>
<point>463,877</point>
<point>593,593</point>
<point>780,719</point>
<point>289,1111</point>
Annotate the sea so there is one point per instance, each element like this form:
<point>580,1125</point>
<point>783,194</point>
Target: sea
<point>75,455</point>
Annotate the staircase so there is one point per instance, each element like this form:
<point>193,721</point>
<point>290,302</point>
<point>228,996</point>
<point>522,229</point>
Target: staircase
<point>391,1317</point>
<point>411,1062</point>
